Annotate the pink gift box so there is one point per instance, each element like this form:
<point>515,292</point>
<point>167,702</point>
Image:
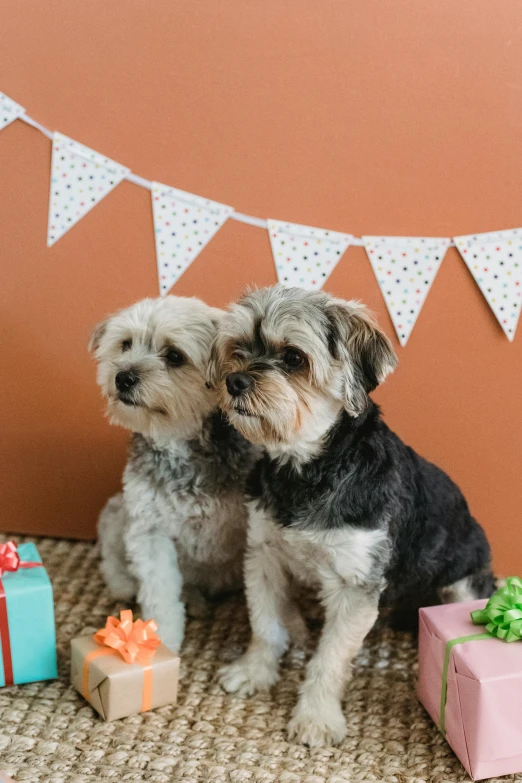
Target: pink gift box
<point>483,713</point>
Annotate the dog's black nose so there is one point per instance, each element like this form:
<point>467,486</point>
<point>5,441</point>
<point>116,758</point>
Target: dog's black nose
<point>125,380</point>
<point>238,382</point>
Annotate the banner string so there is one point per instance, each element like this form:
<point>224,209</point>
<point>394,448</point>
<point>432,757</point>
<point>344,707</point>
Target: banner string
<point>41,128</point>
<point>304,256</point>
<point>145,183</point>
<point>141,181</point>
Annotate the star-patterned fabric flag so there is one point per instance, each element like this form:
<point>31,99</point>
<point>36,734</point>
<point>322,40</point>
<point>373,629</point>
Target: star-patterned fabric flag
<point>305,257</point>
<point>183,225</point>
<point>80,178</point>
<point>9,110</point>
<point>405,268</point>
<point>495,261</point>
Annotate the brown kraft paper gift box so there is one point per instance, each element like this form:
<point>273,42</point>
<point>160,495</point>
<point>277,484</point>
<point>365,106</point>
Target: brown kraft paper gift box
<point>117,689</point>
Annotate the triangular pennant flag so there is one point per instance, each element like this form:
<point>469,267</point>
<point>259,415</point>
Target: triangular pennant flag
<point>9,110</point>
<point>305,257</point>
<point>405,268</point>
<point>80,178</point>
<point>183,225</point>
<point>495,261</point>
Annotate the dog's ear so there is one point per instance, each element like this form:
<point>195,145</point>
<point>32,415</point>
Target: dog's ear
<point>97,334</point>
<point>212,367</point>
<point>365,352</point>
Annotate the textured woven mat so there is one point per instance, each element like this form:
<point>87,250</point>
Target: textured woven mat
<point>48,733</point>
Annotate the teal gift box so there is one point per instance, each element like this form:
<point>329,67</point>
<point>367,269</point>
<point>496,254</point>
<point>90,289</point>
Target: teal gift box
<point>27,630</point>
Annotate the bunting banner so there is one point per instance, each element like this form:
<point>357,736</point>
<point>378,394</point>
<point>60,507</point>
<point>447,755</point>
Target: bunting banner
<point>304,256</point>
<point>9,110</point>
<point>495,261</point>
<point>405,268</point>
<point>80,178</point>
<point>183,225</point>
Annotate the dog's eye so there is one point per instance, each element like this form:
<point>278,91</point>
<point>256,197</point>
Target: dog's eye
<point>126,345</point>
<point>174,358</point>
<point>292,357</point>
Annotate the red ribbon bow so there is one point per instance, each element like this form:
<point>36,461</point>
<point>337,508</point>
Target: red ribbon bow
<point>9,557</point>
<point>136,641</point>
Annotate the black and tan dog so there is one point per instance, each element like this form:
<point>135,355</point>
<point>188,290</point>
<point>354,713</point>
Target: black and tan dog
<point>338,501</point>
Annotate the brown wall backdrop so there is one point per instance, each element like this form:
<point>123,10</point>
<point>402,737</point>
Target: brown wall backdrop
<point>375,117</point>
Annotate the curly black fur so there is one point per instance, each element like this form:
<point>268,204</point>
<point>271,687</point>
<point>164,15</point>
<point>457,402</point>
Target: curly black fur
<point>367,477</point>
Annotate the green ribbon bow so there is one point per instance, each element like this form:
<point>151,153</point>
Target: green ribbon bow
<point>502,615</point>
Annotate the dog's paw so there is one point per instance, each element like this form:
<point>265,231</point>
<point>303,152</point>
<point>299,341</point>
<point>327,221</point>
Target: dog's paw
<point>171,631</point>
<point>247,676</point>
<point>309,727</point>
<point>171,639</point>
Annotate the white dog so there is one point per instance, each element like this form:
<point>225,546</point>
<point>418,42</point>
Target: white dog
<point>180,520</point>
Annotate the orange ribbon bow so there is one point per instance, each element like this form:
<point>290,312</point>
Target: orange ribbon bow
<point>136,642</point>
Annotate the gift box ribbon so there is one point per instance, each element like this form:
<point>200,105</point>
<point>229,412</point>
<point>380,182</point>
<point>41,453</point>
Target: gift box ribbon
<point>134,641</point>
<point>502,614</point>
<point>502,617</point>
<point>10,562</point>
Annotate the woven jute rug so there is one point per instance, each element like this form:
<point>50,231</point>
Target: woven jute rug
<point>49,734</point>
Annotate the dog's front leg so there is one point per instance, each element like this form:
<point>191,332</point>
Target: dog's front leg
<point>274,617</point>
<point>267,592</point>
<point>154,563</point>
<point>350,614</point>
